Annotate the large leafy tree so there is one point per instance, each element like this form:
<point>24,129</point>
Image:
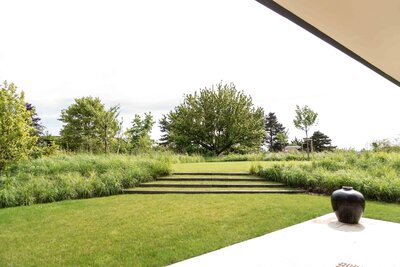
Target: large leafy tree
<point>216,120</point>
<point>88,126</point>
<point>321,142</point>
<point>17,137</point>
<point>139,134</point>
<point>276,136</point>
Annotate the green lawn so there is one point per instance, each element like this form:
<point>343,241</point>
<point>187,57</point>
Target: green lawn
<point>237,166</point>
<point>150,230</point>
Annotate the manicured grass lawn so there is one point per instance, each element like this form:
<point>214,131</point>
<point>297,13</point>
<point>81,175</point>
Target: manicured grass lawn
<point>237,166</point>
<point>150,230</point>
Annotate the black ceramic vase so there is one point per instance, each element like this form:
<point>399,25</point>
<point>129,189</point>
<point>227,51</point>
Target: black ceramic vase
<point>348,204</point>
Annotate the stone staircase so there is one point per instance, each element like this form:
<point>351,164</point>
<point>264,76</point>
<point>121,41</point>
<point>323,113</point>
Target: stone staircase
<point>212,183</point>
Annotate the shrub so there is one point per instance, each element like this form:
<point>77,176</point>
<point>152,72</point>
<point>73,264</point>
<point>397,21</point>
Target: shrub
<point>75,176</point>
<point>375,174</point>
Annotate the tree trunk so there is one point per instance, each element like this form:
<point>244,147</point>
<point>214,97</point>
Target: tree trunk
<point>271,146</point>
<point>105,141</point>
<point>308,144</point>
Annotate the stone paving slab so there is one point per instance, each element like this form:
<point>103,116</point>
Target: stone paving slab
<point>320,242</point>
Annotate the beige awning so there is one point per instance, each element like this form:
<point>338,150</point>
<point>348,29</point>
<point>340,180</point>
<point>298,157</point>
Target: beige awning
<point>367,30</point>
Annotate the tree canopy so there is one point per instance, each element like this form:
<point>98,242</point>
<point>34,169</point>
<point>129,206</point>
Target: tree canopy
<point>36,124</point>
<point>88,126</point>
<point>107,125</point>
<point>305,118</point>
<point>276,135</point>
<point>214,120</point>
<point>321,142</point>
<point>139,134</point>
<point>17,138</point>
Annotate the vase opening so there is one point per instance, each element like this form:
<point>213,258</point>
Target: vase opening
<point>347,188</point>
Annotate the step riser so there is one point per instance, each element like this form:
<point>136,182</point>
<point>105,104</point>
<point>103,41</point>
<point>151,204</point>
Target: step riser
<point>212,179</point>
<point>216,192</point>
<point>212,185</point>
<point>211,173</point>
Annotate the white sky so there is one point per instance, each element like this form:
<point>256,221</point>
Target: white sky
<point>146,55</point>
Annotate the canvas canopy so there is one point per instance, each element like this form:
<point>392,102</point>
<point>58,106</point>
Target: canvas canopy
<point>366,30</point>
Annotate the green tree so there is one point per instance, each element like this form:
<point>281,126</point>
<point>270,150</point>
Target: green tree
<point>305,118</point>
<point>282,140</point>
<point>321,142</point>
<point>107,125</point>
<point>139,134</point>
<point>120,145</point>
<point>217,120</point>
<point>386,145</point>
<point>36,124</point>
<point>17,138</point>
<point>296,142</point>
<point>276,133</point>
<point>164,127</point>
<point>88,126</point>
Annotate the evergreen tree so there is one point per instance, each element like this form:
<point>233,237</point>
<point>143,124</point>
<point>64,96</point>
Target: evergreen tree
<point>36,124</point>
<point>164,127</point>
<point>276,136</point>
<point>321,142</point>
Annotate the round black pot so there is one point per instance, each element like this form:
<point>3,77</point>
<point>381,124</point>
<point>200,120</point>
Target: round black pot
<point>348,204</point>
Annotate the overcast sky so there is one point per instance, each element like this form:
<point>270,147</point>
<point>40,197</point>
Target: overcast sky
<point>145,55</point>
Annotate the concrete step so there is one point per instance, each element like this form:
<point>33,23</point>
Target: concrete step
<point>222,179</point>
<point>212,183</point>
<point>192,185</point>
<point>211,173</point>
<point>213,176</point>
<point>209,188</point>
<point>236,191</point>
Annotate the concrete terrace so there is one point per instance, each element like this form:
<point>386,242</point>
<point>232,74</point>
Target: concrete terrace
<point>320,242</point>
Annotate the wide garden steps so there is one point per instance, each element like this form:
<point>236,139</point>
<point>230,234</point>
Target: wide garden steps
<point>138,191</point>
<point>212,183</point>
<point>197,185</point>
<point>211,173</point>
<point>211,179</point>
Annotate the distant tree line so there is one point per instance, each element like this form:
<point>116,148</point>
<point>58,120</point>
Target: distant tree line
<point>212,121</point>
